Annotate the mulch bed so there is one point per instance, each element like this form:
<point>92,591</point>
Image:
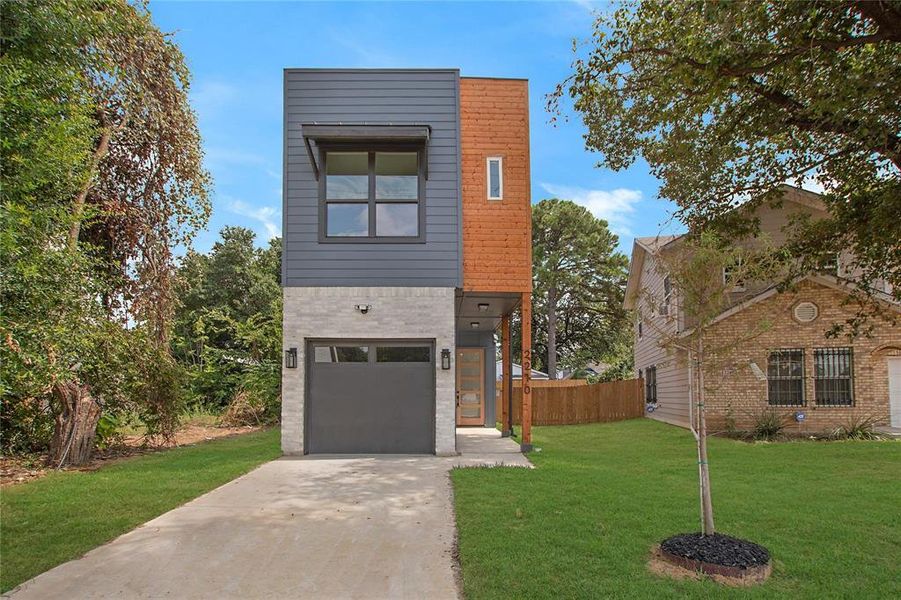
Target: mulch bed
<point>722,556</point>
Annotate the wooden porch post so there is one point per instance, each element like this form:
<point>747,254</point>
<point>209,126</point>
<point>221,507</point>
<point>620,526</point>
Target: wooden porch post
<point>526,312</point>
<point>506,379</point>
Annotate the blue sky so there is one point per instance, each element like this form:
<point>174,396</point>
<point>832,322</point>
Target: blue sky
<point>237,50</point>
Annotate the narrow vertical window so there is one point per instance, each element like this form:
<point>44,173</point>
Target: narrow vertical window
<point>833,376</point>
<point>495,178</point>
<point>667,295</point>
<point>650,385</point>
<point>785,377</point>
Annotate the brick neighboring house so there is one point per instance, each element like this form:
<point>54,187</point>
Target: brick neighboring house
<point>407,244</point>
<point>830,381</point>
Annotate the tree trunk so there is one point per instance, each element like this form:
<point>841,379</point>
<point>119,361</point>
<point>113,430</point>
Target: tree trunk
<point>552,332</point>
<point>106,134</point>
<point>707,527</point>
<point>75,427</point>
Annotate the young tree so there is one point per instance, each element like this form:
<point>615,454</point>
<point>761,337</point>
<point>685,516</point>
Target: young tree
<point>682,321</point>
<point>728,100</point>
<point>578,286</point>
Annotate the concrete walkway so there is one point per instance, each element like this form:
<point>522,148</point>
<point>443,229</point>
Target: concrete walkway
<point>312,527</point>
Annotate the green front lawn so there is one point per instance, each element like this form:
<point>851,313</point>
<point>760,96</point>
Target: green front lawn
<point>63,515</point>
<point>582,523</point>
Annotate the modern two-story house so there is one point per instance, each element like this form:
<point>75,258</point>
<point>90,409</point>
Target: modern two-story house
<point>407,246</point>
<point>814,381</point>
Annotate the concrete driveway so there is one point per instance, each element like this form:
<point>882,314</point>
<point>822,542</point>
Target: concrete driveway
<point>320,527</point>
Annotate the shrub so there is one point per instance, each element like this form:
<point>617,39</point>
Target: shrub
<point>768,425</point>
<point>251,408</point>
<point>858,428</point>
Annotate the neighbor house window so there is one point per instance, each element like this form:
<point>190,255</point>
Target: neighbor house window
<point>732,276</point>
<point>785,378</point>
<point>650,385</point>
<point>372,195</point>
<point>829,265</point>
<point>833,376</point>
<point>495,178</point>
<point>667,295</point>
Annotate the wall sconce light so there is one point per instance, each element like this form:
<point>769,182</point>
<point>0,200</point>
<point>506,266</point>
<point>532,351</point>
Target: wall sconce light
<point>474,324</point>
<point>483,307</point>
<point>445,359</point>
<point>291,358</point>
<point>363,308</point>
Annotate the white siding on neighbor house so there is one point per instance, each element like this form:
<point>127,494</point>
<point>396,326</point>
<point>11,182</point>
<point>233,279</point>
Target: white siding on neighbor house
<point>672,374</point>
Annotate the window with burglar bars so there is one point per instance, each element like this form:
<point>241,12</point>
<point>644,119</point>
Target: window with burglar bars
<point>833,376</point>
<point>785,378</point>
<point>650,385</point>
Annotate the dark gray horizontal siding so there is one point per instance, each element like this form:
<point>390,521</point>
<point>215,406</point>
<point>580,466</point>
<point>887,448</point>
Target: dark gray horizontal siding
<point>375,97</point>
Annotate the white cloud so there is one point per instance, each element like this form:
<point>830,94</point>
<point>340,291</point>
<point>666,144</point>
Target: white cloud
<point>208,97</point>
<point>614,206</point>
<point>264,214</point>
<point>589,5</point>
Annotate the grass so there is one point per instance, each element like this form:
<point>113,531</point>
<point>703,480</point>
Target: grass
<point>582,523</point>
<point>63,515</point>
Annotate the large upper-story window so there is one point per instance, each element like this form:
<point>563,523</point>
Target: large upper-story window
<point>372,195</point>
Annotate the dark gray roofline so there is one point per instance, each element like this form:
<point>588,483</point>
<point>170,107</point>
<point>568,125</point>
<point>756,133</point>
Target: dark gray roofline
<point>359,70</point>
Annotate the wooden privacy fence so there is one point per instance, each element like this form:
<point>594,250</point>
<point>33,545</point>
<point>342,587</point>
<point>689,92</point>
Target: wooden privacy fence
<point>567,402</point>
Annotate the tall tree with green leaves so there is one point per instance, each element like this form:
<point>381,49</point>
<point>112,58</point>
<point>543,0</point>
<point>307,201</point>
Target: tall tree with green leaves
<point>102,176</point>
<point>728,100</point>
<point>228,323</point>
<point>578,283</point>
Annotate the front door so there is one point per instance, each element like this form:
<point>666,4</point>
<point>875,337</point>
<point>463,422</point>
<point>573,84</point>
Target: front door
<point>894,390</point>
<point>470,386</point>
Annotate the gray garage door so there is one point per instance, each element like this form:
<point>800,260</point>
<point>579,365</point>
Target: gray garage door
<point>371,396</point>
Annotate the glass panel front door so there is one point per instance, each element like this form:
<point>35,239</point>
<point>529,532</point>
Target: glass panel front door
<point>470,386</point>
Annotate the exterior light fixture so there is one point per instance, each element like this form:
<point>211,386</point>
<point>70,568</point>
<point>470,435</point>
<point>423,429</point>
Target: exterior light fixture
<point>291,358</point>
<point>483,307</point>
<point>445,359</point>
<point>363,308</point>
<point>474,324</point>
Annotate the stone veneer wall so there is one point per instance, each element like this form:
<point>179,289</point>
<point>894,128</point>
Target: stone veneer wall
<point>397,313</point>
<point>746,396</point>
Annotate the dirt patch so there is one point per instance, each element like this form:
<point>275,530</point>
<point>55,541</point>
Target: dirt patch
<point>15,470</point>
<point>660,566</point>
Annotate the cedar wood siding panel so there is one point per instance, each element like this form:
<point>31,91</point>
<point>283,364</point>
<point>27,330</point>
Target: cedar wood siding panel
<point>374,97</point>
<point>497,234</point>
<point>672,375</point>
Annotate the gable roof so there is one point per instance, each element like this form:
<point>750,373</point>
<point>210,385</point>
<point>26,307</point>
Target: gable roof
<point>641,247</point>
<point>842,285</point>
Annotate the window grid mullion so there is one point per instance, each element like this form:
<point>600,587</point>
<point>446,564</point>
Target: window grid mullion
<point>372,223</point>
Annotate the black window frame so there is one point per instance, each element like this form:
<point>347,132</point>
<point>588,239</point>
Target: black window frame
<point>667,296</point>
<point>650,385</point>
<point>372,201</point>
<point>781,388</point>
<point>828,386</point>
